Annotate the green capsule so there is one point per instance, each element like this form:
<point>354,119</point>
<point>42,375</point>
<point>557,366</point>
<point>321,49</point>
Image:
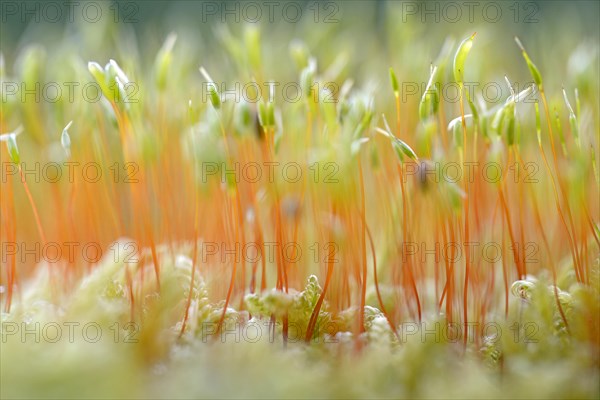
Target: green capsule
<point>328,107</point>
<point>498,122</point>
<point>398,150</point>
<point>13,149</point>
<point>271,114</point>
<point>394,81</point>
<point>473,108</point>
<point>252,43</point>
<point>574,127</point>
<point>306,80</point>
<point>535,73</point>
<point>266,114</point>
<point>428,102</point>
<point>400,147</point>
<point>215,99</point>
<point>455,127</point>
<point>300,54</point>
<point>99,75</point>
<point>113,93</point>
<point>163,61</point>
<point>122,97</point>
<point>410,153</point>
<point>561,135</point>
<point>572,119</point>
<point>484,127</point>
<point>118,72</point>
<point>243,117</point>
<point>65,140</point>
<point>510,131</point>
<point>262,114</point>
<point>461,57</point>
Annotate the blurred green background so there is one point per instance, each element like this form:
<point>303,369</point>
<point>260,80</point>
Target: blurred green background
<point>405,34</point>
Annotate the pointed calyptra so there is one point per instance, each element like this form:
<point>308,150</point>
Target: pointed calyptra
<point>572,119</point>
<point>427,104</point>
<point>535,73</point>
<point>65,139</point>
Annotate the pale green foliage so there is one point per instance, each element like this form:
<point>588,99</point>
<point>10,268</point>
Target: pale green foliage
<point>412,366</point>
<point>298,306</point>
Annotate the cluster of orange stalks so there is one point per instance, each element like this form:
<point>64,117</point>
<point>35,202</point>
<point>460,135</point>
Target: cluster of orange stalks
<point>378,221</point>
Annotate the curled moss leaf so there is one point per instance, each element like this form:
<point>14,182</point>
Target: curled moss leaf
<point>522,289</point>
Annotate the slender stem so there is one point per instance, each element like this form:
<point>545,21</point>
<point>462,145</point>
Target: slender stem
<point>363,293</point>
<point>34,208</point>
<point>405,235</point>
<point>194,261</point>
<point>315,313</point>
<point>236,227</point>
<point>397,97</point>
<point>572,237</point>
<point>466,213</point>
